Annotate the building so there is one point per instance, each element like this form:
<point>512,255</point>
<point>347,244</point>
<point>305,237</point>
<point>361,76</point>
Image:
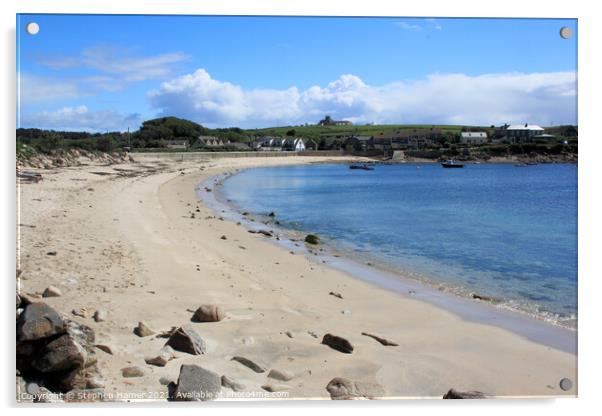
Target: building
<point>473,137</point>
<point>519,133</point>
<point>403,139</point>
<point>358,143</point>
<point>176,144</point>
<point>311,144</point>
<point>239,146</point>
<point>328,121</point>
<point>210,141</point>
<point>293,145</point>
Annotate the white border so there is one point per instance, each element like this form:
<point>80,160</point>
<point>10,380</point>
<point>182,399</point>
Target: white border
<point>590,208</point>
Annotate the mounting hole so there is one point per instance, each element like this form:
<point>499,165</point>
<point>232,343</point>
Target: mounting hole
<point>566,384</point>
<point>32,28</point>
<point>566,32</point>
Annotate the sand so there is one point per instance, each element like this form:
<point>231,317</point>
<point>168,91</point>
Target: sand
<point>126,244</point>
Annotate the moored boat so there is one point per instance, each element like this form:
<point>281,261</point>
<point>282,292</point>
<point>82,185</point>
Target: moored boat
<point>451,164</point>
<point>362,167</point>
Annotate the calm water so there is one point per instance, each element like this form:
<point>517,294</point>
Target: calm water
<point>498,230</point>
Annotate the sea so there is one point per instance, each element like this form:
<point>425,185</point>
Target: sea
<point>497,230</point>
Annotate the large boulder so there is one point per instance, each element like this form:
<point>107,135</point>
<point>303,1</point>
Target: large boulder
<point>186,339</point>
<point>56,352</point>
<point>39,321</point>
<point>196,383</point>
<point>60,354</point>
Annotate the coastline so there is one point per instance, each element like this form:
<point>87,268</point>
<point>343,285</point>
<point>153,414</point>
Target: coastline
<point>534,328</point>
<point>130,246</point>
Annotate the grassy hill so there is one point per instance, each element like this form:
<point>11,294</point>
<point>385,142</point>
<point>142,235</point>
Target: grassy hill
<point>316,132</point>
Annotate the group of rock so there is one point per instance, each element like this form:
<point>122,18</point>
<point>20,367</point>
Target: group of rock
<point>55,354</point>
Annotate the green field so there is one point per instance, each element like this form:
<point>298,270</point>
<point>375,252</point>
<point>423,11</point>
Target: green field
<point>316,132</point>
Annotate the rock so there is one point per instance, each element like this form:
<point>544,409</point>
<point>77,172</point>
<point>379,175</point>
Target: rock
<point>272,388</point>
<point>38,321</point>
<point>231,384</point>
<point>95,383</point>
<point>99,316</point>
<point>196,383</point>
<point>336,295</point>
<point>165,355</point>
<point>208,313</point>
<point>51,253</point>
<point>383,341</point>
<point>143,331</point>
<point>266,233</point>
<point>60,354</point>
<point>51,292</point>
<point>281,375</point>
<point>272,214</point>
<point>64,361</point>
<point>453,394</point>
<point>81,312</point>
<point>223,237</point>
<point>341,388</point>
<point>483,297</point>
<point>248,363</point>
<point>312,239</point>
<point>289,334</point>
<point>337,343</point>
<point>133,371</point>
<point>186,339</point>
<point>105,348</point>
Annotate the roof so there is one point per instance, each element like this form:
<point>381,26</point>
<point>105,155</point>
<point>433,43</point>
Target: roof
<point>525,127</point>
<point>474,134</point>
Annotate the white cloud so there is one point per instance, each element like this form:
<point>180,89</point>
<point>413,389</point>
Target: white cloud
<point>408,26</point>
<point>120,63</point>
<point>487,99</point>
<point>33,89</point>
<point>80,118</point>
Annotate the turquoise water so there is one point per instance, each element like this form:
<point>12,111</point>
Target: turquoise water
<point>497,230</point>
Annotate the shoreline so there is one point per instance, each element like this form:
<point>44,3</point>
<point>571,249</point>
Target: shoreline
<point>133,240</point>
<point>534,328</point>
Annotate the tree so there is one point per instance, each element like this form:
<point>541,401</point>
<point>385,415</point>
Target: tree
<point>291,133</point>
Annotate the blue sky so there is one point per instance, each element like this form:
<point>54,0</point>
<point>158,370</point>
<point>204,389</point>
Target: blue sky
<point>97,73</point>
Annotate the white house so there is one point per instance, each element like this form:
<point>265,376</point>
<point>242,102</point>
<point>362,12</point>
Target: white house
<point>293,145</point>
<point>473,137</point>
<point>279,144</point>
<point>210,141</point>
<point>523,132</point>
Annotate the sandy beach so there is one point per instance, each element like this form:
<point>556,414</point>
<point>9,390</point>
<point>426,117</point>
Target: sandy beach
<point>132,240</point>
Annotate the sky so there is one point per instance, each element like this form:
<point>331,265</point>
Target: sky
<point>105,73</point>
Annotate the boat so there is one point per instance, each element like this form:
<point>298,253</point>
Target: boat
<point>451,164</point>
<point>521,165</point>
<point>362,167</point>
